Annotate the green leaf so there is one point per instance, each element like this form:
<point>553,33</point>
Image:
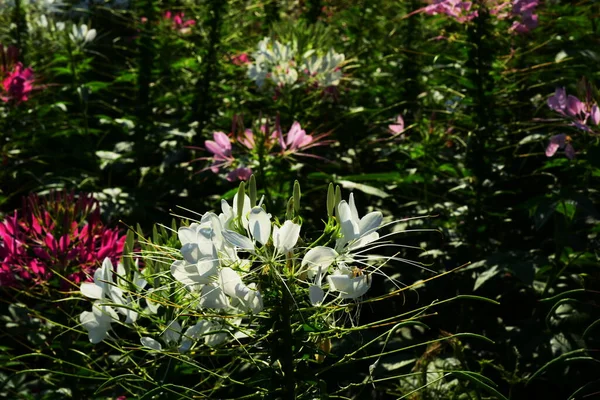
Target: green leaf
<point>485,276</point>
<point>364,188</point>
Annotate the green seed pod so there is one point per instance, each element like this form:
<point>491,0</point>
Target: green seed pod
<point>253,195</point>
<point>297,197</point>
<point>289,213</point>
<point>241,194</point>
<point>330,200</point>
<point>338,197</point>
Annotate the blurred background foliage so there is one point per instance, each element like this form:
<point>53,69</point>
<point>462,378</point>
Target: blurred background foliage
<point>125,115</point>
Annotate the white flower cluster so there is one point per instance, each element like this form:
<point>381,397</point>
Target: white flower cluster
<point>98,321</point>
<point>223,256</point>
<point>278,63</point>
<point>82,35</point>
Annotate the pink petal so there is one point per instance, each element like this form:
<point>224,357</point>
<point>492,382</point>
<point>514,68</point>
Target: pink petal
<point>574,106</point>
<point>595,114</point>
<point>556,142</point>
<point>569,151</point>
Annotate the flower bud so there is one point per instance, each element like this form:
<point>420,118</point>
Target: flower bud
<point>241,194</point>
<point>289,213</point>
<point>330,200</point>
<point>297,197</point>
<point>252,185</point>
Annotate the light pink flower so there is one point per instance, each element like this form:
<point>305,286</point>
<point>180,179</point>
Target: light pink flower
<point>398,127</point>
<point>221,150</point>
<point>560,141</point>
<point>239,174</point>
<point>595,114</point>
<point>247,139</point>
<point>558,102</point>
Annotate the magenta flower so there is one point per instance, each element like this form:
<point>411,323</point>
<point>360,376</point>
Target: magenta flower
<point>398,127</point>
<point>241,59</point>
<point>178,22</point>
<point>560,141</point>
<point>18,84</point>
<point>59,233</point>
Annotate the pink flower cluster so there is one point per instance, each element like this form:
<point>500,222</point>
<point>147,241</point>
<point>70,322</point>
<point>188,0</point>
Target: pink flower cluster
<point>522,11</point>
<point>178,22</point>
<point>457,9</point>
<point>578,112</point>
<point>58,233</point>
<point>17,81</point>
<point>294,142</point>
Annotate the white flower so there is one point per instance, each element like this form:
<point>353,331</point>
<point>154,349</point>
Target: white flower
<point>81,35</point>
<point>286,237</point>
<point>103,285</point>
<point>98,321</point>
<point>151,343</point>
<point>356,232</point>
<point>350,283</point>
<point>259,225</point>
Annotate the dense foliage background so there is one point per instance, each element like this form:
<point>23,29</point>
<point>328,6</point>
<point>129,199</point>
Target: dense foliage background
<point>122,113</point>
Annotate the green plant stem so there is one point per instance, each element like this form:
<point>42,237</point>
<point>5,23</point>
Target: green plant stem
<point>286,357</point>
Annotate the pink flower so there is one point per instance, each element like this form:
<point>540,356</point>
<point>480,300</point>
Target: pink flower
<point>297,140</point>
<point>560,141</point>
<point>239,174</point>
<point>574,106</point>
<point>398,127</point>
<point>18,84</point>
<point>558,102</point>
<point>241,59</point>
<point>178,22</point>
<point>221,150</point>
<point>247,139</point>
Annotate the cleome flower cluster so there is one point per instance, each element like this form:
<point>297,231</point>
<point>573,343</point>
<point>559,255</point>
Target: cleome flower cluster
<point>280,65</point>
<point>583,115</point>
<point>223,267</point>
<point>238,156</point>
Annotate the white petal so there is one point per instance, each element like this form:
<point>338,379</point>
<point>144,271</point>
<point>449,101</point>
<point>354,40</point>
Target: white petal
<point>91,35</point>
<point>172,333</point>
<point>349,227</point>
<point>286,237</point>
<point>188,234</point>
<point>339,283</point>
<point>237,240</point>
<point>370,222</point>
<point>151,343</point>
<point>320,257</point>
<point>213,297</point>
<point>359,286</point>
<point>259,225</point>
<point>229,280</point>
<point>191,252</point>
<point>91,290</point>
<point>353,210</point>
<point>316,295</point>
